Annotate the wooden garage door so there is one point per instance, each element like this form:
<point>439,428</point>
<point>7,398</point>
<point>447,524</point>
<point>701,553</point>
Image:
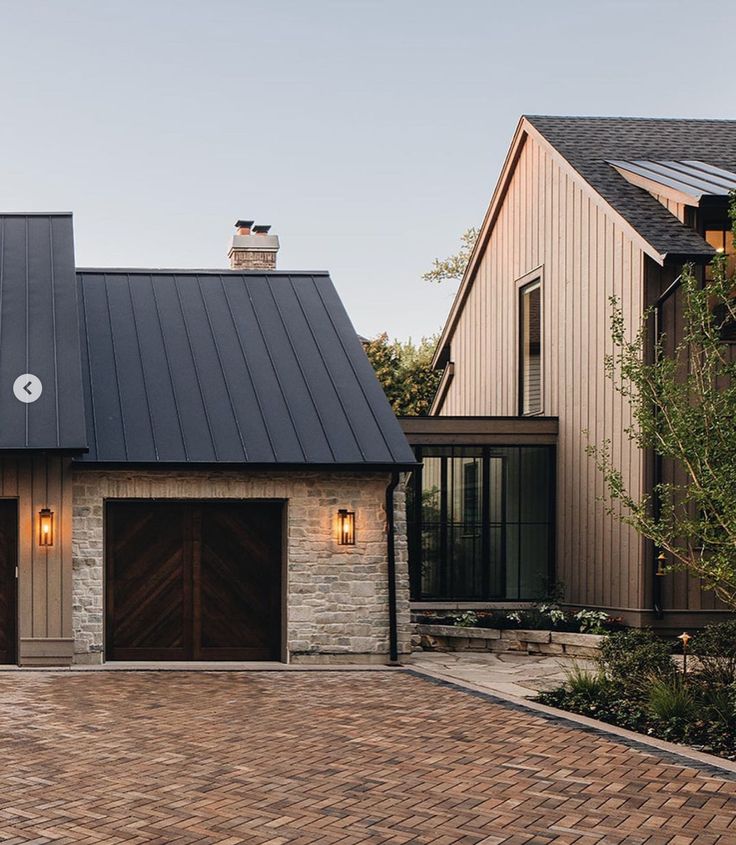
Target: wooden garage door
<point>193,580</point>
<point>8,589</point>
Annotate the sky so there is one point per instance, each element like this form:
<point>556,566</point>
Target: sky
<point>369,134</point>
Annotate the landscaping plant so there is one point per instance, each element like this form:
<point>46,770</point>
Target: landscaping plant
<point>636,684</point>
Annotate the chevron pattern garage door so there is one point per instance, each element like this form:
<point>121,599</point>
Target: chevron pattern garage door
<point>193,580</point>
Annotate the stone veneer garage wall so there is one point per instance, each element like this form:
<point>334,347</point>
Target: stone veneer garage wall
<point>337,596</point>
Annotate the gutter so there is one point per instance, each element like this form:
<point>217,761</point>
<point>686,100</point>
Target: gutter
<point>393,628</point>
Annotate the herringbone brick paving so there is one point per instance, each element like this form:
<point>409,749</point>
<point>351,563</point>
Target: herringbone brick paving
<point>325,758</point>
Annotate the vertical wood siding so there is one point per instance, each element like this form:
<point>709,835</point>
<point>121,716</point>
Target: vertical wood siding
<point>680,591</point>
<point>44,574</point>
<point>548,226</point>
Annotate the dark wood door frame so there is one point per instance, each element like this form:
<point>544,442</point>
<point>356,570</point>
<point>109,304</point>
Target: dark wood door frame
<point>8,581</point>
<point>196,625</point>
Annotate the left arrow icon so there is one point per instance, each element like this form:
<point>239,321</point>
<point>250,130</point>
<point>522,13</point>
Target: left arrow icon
<point>27,388</point>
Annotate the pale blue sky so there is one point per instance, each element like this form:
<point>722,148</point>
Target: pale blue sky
<point>369,133</point>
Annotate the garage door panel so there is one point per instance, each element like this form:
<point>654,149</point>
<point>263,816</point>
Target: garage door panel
<point>148,583</point>
<point>194,580</point>
<point>240,581</point>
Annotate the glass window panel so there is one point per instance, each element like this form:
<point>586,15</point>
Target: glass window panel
<point>534,554</point>
<point>512,562</point>
<point>466,548</point>
<point>534,484</point>
<point>430,561</point>
<point>531,349</point>
<point>512,482</point>
<point>431,489</point>
<point>495,488</point>
<point>496,588</point>
<point>716,238</point>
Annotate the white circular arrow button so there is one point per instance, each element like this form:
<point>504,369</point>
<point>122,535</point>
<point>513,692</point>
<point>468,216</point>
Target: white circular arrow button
<point>27,388</point>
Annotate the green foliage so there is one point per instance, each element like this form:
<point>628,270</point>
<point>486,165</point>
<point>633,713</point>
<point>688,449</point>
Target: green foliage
<point>670,698</point>
<point>544,617</point>
<point>453,267</point>
<point>405,372</point>
<point>715,648</point>
<point>592,621</point>
<point>466,620</point>
<point>583,683</point>
<point>638,686</point>
<point>684,409</point>
<point>634,656</point>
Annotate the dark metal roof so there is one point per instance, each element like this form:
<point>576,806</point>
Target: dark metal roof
<point>229,368</point>
<point>39,333</point>
<point>589,143</point>
<point>694,178</point>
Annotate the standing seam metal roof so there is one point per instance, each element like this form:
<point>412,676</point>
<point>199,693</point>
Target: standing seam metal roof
<point>39,333</point>
<point>227,367</point>
<point>695,178</point>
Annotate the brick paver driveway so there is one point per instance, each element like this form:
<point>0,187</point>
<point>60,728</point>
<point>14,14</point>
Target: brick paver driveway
<point>320,757</point>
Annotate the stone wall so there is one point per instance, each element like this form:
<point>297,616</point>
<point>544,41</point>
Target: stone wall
<point>457,638</point>
<point>337,596</point>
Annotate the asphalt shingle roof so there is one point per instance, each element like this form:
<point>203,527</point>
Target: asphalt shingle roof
<point>589,143</point>
<point>228,367</point>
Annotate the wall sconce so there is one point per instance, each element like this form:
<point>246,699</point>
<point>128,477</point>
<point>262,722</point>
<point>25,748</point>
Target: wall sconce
<point>661,561</point>
<point>46,527</point>
<point>345,527</point>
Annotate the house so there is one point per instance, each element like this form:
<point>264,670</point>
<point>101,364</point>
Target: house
<point>507,503</point>
<point>194,464</point>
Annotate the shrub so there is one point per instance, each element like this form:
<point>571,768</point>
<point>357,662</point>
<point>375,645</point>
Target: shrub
<point>715,648</point>
<point>581,682</point>
<point>631,657</point>
<point>466,620</point>
<point>671,698</point>
<point>591,621</point>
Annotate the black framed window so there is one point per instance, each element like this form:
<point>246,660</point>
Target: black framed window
<point>530,349</point>
<point>481,523</point>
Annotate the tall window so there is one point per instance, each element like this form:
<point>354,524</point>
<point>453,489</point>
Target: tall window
<point>530,349</point>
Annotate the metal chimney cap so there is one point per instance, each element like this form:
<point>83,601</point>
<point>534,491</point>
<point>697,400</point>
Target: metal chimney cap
<point>261,230</point>
<point>244,224</point>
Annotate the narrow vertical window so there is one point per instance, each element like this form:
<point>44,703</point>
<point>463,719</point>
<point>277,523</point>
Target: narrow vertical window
<point>530,349</point>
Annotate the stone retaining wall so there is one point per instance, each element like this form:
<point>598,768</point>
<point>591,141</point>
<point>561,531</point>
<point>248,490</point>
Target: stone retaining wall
<point>456,638</point>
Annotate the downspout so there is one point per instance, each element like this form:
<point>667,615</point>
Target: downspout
<point>656,504</point>
<point>393,628</point>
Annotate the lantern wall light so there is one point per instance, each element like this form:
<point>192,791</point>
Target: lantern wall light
<point>46,527</point>
<point>345,527</point>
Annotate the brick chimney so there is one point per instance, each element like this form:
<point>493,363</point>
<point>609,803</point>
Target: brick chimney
<point>252,247</point>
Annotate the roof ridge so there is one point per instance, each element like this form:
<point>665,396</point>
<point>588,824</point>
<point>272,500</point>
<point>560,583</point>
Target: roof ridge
<point>630,117</point>
<point>198,271</point>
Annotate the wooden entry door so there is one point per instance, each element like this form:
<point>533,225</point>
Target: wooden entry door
<point>193,580</point>
<point>8,581</point>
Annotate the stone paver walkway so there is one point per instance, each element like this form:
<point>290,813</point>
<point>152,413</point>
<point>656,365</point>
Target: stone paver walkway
<point>326,758</point>
<point>507,673</point>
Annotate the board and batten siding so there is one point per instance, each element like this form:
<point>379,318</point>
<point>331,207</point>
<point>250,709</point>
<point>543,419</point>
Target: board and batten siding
<point>44,574</point>
<point>549,227</point>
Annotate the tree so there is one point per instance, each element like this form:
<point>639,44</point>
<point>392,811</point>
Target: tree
<point>684,410</point>
<point>405,372</point>
<point>453,267</point>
